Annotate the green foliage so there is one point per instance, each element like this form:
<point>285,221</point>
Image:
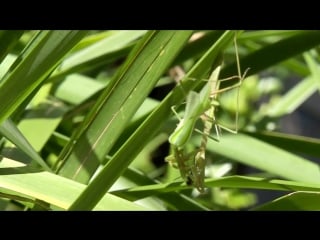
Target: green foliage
<point>86,116</point>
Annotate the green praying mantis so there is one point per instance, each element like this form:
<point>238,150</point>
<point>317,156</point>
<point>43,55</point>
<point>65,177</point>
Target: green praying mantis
<point>202,106</point>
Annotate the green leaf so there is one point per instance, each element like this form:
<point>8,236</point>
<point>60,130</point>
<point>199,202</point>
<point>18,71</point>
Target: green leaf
<point>119,102</point>
<point>262,34</point>
<point>313,66</point>
<point>8,38</point>
<point>33,66</point>
<point>290,142</point>
<point>297,201</point>
<point>46,117</point>
<point>263,156</point>
<point>77,88</point>
<point>9,130</point>
<point>294,98</point>
<point>198,46</point>
<point>6,63</point>
<point>51,188</point>
<point>244,182</point>
<point>101,52</point>
<point>274,53</point>
<point>174,200</point>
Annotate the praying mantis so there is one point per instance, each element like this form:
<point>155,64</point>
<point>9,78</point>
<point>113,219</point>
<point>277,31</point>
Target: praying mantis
<point>199,105</point>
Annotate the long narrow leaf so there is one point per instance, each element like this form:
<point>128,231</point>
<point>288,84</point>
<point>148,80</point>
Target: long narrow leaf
<point>297,201</point>
<point>8,38</point>
<point>294,98</point>
<point>255,153</point>
<point>174,200</point>
<point>290,142</point>
<point>101,52</point>
<point>51,188</point>
<point>243,182</point>
<point>274,53</point>
<point>313,66</point>
<point>119,102</point>
<point>12,133</point>
<point>33,66</point>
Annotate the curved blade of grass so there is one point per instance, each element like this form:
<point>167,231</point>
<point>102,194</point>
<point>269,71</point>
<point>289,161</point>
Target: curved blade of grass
<point>290,142</point>
<point>272,54</point>
<point>46,117</point>
<point>174,200</point>
<point>102,52</point>
<point>252,42</point>
<point>255,153</point>
<point>262,183</point>
<point>119,102</point>
<point>6,63</point>
<point>297,201</point>
<point>51,188</point>
<point>313,66</point>
<point>77,88</point>
<point>93,38</point>
<point>4,193</point>
<point>114,168</point>
<point>243,182</point>
<point>294,98</point>
<point>8,38</point>
<point>296,67</point>
<point>12,133</point>
<point>198,46</point>
<point>33,66</point>
<point>260,34</point>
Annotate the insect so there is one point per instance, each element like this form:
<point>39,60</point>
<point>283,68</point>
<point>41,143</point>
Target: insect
<point>208,119</point>
<point>198,106</point>
<point>179,159</point>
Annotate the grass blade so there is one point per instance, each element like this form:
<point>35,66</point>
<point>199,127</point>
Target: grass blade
<point>51,188</point>
<point>99,53</point>
<point>313,66</point>
<point>8,38</point>
<point>294,98</point>
<point>12,133</point>
<point>297,201</point>
<point>119,102</point>
<point>174,200</point>
<point>255,153</point>
<point>274,53</point>
<point>290,142</point>
<point>33,66</point>
<point>244,182</point>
